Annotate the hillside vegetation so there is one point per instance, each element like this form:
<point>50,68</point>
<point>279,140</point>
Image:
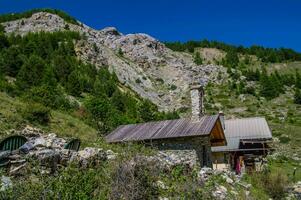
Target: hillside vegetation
<point>42,70</point>
<point>45,83</point>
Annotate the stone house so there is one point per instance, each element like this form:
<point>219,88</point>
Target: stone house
<point>198,133</point>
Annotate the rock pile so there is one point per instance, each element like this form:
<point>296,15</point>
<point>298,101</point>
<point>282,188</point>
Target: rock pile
<point>49,151</point>
<point>171,158</point>
<point>229,178</point>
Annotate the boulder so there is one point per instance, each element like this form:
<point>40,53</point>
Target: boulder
<point>39,142</point>
<point>50,139</point>
<point>161,185</point>
<point>297,190</point>
<point>6,183</point>
<point>4,154</point>
<point>88,157</point>
<point>25,148</point>
<point>220,192</point>
<point>29,131</point>
<point>204,174</point>
<point>111,155</point>
<point>48,158</point>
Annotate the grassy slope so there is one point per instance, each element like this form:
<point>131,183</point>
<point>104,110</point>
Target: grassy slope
<point>63,124</point>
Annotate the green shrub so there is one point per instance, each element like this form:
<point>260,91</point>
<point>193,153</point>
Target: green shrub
<point>1,28</point>
<point>275,184</point>
<point>120,52</point>
<point>135,181</point>
<point>36,113</point>
<point>160,80</point>
<point>173,87</point>
<point>298,96</point>
<point>284,139</point>
<point>197,59</point>
<point>72,183</point>
<point>138,81</point>
<point>67,27</point>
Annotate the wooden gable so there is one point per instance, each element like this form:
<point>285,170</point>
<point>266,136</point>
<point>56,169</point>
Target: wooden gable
<point>217,136</point>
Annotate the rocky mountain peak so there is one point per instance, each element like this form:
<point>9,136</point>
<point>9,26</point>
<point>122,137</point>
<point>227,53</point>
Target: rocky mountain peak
<point>110,31</point>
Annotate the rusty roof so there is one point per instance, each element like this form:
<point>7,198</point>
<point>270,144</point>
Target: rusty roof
<point>241,129</point>
<point>163,129</point>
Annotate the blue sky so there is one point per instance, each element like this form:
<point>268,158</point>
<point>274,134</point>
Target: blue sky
<point>271,23</point>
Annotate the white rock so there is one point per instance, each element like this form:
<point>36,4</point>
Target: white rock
<point>39,142</point>
<point>229,180</point>
<point>111,155</point>
<point>161,185</point>
<point>6,183</point>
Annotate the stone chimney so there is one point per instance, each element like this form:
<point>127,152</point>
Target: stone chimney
<point>197,101</point>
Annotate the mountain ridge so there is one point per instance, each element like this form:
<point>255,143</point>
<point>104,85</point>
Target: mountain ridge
<point>139,61</point>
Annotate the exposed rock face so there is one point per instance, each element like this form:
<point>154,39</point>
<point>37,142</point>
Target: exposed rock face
<point>139,61</point>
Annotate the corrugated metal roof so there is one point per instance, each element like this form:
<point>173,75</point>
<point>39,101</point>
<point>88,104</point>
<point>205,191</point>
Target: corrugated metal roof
<point>246,128</point>
<point>163,129</point>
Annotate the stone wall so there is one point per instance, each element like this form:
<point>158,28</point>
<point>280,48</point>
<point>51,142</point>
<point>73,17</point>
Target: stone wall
<point>201,146</point>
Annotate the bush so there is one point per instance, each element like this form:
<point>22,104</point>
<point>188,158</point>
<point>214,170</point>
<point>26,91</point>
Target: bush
<point>197,59</point>
<point>275,184</point>
<point>120,52</point>
<point>298,96</point>
<point>36,113</point>
<point>72,183</point>
<point>1,28</point>
<point>160,80</point>
<point>138,81</point>
<point>135,181</point>
<point>272,183</point>
<point>173,87</point>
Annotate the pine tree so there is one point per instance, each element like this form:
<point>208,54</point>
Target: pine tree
<point>118,100</point>
<point>12,61</point>
<point>298,80</point>
<point>146,111</point>
<point>297,96</point>
<point>231,60</point>
<point>49,77</point>
<point>267,87</point>
<point>31,72</point>
<point>2,29</point>
<point>197,59</point>
<point>73,85</point>
<point>4,43</point>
